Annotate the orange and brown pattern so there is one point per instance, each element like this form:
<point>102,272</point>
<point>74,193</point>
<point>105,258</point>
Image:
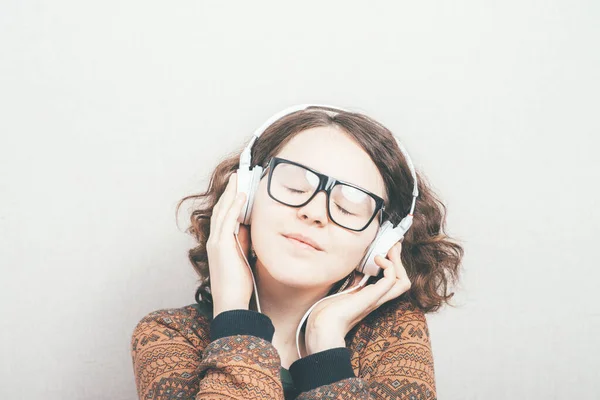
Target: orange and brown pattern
<point>243,366</point>
<point>165,353</point>
<point>173,358</point>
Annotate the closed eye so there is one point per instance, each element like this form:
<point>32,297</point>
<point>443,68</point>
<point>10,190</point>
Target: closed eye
<point>295,190</point>
<point>344,212</point>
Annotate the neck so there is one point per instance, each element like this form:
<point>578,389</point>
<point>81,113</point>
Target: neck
<point>285,305</point>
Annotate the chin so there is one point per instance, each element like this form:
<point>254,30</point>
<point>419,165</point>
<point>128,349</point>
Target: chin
<point>292,272</point>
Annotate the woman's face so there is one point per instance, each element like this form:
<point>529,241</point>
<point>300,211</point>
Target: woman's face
<point>328,150</point>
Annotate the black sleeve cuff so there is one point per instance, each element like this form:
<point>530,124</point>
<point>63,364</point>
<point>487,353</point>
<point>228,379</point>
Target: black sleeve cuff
<point>241,322</point>
<point>321,368</point>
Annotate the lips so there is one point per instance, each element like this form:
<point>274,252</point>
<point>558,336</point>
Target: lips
<point>304,239</point>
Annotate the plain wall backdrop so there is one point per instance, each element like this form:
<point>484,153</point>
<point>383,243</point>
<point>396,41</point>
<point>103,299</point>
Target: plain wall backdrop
<point>112,111</point>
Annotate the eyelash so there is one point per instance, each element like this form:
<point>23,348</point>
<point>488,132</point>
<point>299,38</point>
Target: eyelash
<point>343,211</point>
<point>340,208</point>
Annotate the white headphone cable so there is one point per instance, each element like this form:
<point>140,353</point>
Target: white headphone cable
<point>249,267</point>
<point>360,284</point>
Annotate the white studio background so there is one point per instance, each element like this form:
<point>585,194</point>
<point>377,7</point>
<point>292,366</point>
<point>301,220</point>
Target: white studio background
<point>112,111</point>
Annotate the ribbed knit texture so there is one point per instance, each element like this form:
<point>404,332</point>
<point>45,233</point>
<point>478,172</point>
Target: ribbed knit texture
<point>242,322</point>
<point>321,368</point>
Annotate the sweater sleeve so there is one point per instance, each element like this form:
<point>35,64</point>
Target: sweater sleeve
<point>240,362</point>
<point>164,357</point>
<point>237,361</point>
<point>396,363</point>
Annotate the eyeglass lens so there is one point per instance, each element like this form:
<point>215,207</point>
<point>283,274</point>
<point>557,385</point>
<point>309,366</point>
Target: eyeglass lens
<point>348,206</point>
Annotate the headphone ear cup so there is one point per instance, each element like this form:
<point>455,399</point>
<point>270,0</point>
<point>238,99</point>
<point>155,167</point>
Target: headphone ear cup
<point>256,175</point>
<point>248,181</point>
<point>243,186</point>
<point>386,238</point>
<point>367,265</point>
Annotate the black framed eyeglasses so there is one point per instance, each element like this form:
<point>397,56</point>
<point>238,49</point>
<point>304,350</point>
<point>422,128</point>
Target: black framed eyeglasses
<point>348,205</point>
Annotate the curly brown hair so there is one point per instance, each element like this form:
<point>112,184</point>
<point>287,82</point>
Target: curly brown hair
<point>431,258</point>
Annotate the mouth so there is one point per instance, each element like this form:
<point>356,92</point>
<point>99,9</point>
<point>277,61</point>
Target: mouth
<point>301,243</point>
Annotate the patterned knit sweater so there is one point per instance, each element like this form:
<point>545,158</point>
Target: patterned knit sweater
<point>183,353</point>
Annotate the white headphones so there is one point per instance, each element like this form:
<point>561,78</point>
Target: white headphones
<point>387,235</point>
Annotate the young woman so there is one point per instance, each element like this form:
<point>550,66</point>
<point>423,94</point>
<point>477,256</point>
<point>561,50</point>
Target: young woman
<point>282,311</point>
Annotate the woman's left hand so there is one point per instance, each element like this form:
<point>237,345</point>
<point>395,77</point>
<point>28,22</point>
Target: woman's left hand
<point>333,318</point>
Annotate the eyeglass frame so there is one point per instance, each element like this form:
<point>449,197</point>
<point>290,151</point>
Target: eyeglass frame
<point>326,183</point>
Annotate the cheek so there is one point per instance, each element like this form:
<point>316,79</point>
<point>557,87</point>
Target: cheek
<point>352,249</point>
<point>345,249</point>
<point>263,207</point>
<point>264,226</point>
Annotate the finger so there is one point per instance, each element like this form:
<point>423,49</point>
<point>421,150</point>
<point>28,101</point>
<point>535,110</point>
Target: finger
<point>224,204</point>
<point>231,218</point>
<point>370,294</point>
<point>389,277</point>
<point>217,207</point>
<point>401,286</point>
<point>395,256</point>
<point>389,271</point>
<point>402,283</point>
<point>227,196</point>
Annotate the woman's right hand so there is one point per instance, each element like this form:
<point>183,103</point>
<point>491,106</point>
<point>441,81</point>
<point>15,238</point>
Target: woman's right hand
<point>231,283</point>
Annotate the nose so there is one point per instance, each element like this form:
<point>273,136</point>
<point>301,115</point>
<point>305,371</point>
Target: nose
<point>315,210</point>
